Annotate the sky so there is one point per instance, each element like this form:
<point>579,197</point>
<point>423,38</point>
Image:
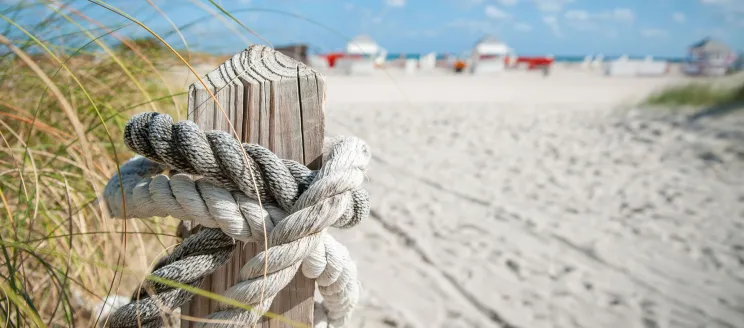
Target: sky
<point>530,27</point>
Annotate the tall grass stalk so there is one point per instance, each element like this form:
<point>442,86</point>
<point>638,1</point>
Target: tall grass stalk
<point>697,94</point>
<point>70,82</point>
<point>61,113</point>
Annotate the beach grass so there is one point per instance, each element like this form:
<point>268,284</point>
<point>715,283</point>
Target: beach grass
<point>69,83</point>
<point>697,94</point>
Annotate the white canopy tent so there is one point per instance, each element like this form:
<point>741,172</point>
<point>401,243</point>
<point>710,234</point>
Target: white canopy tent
<point>362,45</point>
<point>492,46</point>
<point>489,55</point>
<point>370,53</point>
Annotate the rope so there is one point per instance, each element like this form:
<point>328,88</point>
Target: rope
<point>224,199</point>
<point>179,196</point>
<point>195,258</point>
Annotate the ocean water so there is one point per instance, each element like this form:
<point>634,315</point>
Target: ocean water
<point>579,59</point>
<point>558,58</point>
<point>408,56</point>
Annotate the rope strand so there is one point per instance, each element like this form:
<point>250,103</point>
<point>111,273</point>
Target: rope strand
<point>224,198</point>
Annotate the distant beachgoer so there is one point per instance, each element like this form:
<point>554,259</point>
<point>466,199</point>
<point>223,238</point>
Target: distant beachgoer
<point>459,66</point>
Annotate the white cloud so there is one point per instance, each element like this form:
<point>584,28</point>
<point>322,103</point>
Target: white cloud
<point>496,13</point>
<point>618,14</point>
<point>522,27</point>
<point>395,3</point>
<point>623,14</point>
<point>467,4</point>
<point>679,17</point>
<point>654,33</point>
<point>730,11</point>
<point>550,19</point>
<point>507,3</point>
<point>581,20</point>
<point>473,26</point>
<point>717,32</point>
<point>552,23</point>
<point>584,25</point>
<point>578,15</point>
<point>430,33</point>
<point>551,6</point>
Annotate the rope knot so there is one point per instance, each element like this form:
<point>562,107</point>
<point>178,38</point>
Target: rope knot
<point>240,190</point>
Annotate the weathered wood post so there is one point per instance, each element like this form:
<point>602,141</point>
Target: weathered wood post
<point>277,102</point>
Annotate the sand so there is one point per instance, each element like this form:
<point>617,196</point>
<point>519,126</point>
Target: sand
<point>523,201</point>
<point>528,201</point>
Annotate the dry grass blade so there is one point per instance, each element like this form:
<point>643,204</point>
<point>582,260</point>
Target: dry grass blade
<point>72,82</point>
<point>66,106</point>
<point>240,23</point>
<point>222,110</point>
<point>21,303</point>
<point>51,179</point>
<point>110,53</point>
<point>131,46</point>
<point>156,35</point>
<point>223,20</point>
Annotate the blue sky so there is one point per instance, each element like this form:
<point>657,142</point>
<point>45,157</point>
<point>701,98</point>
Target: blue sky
<point>560,27</point>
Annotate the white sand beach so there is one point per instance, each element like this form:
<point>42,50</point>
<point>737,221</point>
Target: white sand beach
<point>563,85</point>
<point>527,201</point>
<point>524,201</point>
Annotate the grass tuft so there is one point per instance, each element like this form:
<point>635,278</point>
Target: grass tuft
<point>697,94</point>
<point>72,72</point>
<point>69,84</point>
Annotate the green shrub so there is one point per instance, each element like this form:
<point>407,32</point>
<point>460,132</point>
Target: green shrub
<point>696,94</point>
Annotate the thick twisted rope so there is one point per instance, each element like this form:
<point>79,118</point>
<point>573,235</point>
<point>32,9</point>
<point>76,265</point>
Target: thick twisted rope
<point>238,216</point>
<point>333,197</point>
<point>150,194</point>
<point>195,258</point>
<point>219,158</point>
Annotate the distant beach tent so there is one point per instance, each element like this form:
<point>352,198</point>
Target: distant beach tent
<point>362,45</point>
<point>490,45</point>
<point>598,61</point>
<point>624,66</point>
<point>361,54</point>
<point>489,55</point>
<point>587,62</point>
<point>381,57</point>
<point>709,57</point>
<point>428,62</point>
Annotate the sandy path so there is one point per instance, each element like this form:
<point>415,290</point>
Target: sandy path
<point>541,212</point>
<point>523,201</point>
<point>524,87</point>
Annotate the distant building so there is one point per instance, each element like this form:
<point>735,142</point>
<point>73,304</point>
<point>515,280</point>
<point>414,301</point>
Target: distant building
<point>739,63</point>
<point>489,55</point>
<point>625,66</point>
<point>709,57</point>
<point>490,46</point>
<point>428,62</point>
<point>361,54</point>
<point>296,51</point>
<point>362,45</point>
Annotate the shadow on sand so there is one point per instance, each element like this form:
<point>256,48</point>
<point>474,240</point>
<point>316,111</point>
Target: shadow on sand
<point>717,110</point>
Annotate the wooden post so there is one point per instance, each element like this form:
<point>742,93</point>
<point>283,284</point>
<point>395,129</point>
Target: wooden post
<point>277,102</point>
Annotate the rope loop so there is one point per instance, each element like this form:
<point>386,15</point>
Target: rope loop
<point>214,188</point>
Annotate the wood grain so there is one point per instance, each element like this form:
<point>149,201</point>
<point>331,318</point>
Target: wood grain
<point>277,102</point>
